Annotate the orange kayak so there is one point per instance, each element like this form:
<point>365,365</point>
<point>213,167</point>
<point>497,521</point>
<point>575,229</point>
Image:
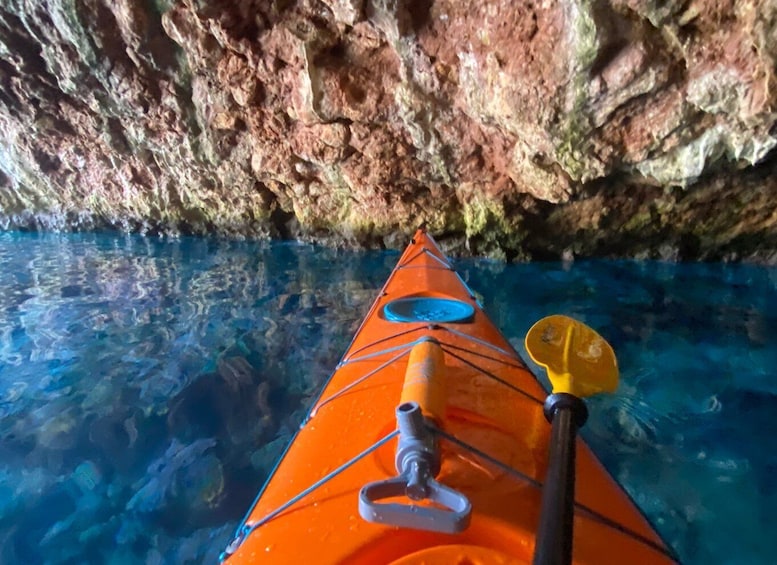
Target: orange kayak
<point>429,445</point>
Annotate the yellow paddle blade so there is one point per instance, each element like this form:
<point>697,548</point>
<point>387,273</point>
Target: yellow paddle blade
<point>578,360</point>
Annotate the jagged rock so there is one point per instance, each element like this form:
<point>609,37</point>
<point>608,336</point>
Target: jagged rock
<point>518,130</point>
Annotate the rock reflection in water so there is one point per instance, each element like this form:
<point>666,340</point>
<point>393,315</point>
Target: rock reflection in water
<point>147,387</point>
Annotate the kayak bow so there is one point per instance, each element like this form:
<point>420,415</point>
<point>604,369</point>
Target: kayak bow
<point>429,444</point>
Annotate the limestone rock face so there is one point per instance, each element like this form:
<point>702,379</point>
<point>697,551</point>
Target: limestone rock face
<point>516,129</point>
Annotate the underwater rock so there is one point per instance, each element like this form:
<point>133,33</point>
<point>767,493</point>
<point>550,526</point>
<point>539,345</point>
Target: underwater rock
<point>557,129</point>
<point>117,439</point>
<point>46,435</point>
<point>264,458</point>
<point>199,409</point>
<point>236,372</point>
<point>59,432</point>
<point>47,513</point>
<point>203,546</point>
<point>14,392</point>
<point>87,476</point>
<point>200,484</point>
<point>152,490</point>
<point>231,404</point>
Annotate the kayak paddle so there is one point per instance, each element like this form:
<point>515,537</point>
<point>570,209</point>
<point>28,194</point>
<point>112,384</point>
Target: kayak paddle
<point>579,363</point>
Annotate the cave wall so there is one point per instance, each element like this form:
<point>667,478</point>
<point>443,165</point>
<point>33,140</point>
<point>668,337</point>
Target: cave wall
<point>533,129</point>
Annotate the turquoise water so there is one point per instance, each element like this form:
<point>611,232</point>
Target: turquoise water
<point>147,386</point>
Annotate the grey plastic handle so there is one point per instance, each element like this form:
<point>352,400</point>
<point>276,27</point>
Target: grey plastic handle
<point>451,520</point>
<point>417,461</point>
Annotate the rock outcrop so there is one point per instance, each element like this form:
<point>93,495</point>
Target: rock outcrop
<point>550,128</point>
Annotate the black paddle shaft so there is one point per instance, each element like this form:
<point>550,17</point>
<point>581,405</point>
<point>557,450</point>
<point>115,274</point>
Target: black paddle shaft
<point>566,413</point>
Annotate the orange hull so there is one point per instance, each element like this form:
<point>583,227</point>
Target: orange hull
<point>493,448</point>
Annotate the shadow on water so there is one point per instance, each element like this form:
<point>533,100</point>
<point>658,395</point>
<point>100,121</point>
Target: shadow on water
<point>147,387</point>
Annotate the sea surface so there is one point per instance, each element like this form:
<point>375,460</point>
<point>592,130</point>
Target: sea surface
<point>147,386</point>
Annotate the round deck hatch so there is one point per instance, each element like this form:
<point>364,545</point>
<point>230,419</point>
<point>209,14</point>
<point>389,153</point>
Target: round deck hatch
<point>429,309</point>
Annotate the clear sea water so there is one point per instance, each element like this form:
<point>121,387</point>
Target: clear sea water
<point>147,386</point>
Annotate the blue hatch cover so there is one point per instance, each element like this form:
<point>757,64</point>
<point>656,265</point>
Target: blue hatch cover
<point>428,309</point>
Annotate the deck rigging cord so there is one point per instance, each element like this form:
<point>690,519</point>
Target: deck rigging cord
<point>402,350</point>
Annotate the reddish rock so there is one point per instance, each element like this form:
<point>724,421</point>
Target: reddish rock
<point>530,129</point>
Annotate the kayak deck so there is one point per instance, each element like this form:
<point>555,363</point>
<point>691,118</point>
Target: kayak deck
<point>492,433</point>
